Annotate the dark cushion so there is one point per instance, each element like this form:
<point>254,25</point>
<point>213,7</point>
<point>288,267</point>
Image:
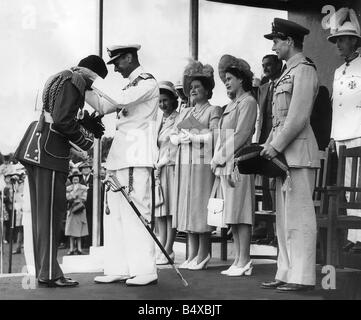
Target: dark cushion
<point>249,161</point>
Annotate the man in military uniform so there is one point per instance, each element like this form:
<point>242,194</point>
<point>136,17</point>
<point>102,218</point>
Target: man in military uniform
<point>294,94</point>
<point>45,152</point>
<point>129,249</point>
<point>346,118</point>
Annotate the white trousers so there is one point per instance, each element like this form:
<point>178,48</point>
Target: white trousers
<point>296,228</point>
<point>129,248</point>
<point>28,231</point>
<point>354,235</point>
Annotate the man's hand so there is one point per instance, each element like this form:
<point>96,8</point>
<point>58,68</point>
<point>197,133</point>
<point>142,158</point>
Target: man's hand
<point>268,151</point>
<point>81,154</point>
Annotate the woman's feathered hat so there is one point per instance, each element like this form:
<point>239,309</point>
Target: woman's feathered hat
<point>196,69</point>
<point>74,173</point>
<point>228,61</point>
<point>343,22</point>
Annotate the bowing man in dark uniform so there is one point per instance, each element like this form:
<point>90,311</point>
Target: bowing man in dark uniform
<point>45,152</point>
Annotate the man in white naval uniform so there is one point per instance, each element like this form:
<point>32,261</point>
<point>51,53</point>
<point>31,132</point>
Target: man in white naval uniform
<point>346,118</point>
<point>129,249</point>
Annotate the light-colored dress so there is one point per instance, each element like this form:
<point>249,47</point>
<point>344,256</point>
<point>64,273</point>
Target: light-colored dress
<point>76,224</point>
<point>236,129</point>
<point>193,176</point>
<point>167,154</point>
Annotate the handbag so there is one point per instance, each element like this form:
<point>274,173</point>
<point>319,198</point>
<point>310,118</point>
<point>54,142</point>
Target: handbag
<point>77,208</point>
<point>215,208</point>
<point>158,192</point>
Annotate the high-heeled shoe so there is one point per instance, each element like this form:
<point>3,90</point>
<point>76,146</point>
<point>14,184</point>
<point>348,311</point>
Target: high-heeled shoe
<point>228,270</point>
<point>240,271</point>
<point>201,265</point>
<point>186,264</point>
<point>162,260</point>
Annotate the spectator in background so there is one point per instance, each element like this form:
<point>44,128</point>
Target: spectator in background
<point>183,103</point>
<point>86,179</point>
<point>76,222</point>
<point>272,67</point>
<point>164,173</point>
<point>346,118</point>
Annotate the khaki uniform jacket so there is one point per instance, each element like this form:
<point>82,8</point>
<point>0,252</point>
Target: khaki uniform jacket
<point>294,95</point>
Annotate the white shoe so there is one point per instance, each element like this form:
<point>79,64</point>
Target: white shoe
<point>110,279</point>
<point>240,271</point>
<point>142,280</point>
<point>161,260</point>
<point>201,265</point>
<point>186,264</point>
<point>229,269</point>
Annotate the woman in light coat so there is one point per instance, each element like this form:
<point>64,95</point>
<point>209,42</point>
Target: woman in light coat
<point>76,225</point>
<point>193,133</point>
<point>236,129</point>
<point>164,173</point>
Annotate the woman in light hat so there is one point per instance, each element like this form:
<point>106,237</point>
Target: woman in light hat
<point>193,133</point>
<point>76,223</point>
<point>236,129</point>
<point>168,103</point>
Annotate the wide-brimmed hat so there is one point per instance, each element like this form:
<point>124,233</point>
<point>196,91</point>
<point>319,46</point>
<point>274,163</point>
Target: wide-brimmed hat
<point>343,22</point>
<point>74,173</point>
<point>196,69</point>
<point>11,171</point>
<point>115,52</point>
<point>85,164</point>
<point>249,161</point>
<point>228,61</point>
<point>169,86</point>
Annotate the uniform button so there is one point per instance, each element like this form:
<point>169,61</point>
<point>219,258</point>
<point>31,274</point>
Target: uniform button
<point>36,150</point>
<point>37,133</point>
<point>28,155</point>
<point>340,105</point>
<point>340,93</point>
<point>36,158</point>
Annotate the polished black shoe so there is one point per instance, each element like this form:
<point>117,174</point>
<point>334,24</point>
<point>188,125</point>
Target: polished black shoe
<point>294,287</point>
<point>60,283</point>
<point>272,284</point>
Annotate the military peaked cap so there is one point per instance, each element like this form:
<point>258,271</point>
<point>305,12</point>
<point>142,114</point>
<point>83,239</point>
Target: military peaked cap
<point>282,28</point>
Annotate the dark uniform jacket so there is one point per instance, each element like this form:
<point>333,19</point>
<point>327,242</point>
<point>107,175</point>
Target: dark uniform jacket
<point>46,144</point>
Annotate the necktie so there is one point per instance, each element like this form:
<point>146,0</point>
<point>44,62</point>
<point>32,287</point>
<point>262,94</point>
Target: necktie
<point>284,68</point>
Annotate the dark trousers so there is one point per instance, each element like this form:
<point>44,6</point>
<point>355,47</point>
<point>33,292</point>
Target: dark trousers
<point>48,204</point>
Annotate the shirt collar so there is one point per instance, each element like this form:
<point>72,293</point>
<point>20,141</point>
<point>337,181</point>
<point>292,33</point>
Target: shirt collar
<point>295,59</point>
<point>135,73</point>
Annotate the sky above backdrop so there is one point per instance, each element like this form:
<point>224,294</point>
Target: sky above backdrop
<point>42,37</point>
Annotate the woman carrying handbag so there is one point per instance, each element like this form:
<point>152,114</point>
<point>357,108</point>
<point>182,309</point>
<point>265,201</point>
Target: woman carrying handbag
<point>236,128</point>
<point>76,224</point>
